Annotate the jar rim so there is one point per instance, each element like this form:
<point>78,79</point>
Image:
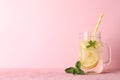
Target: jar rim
<point>90,34</point>
<point>98,32</point>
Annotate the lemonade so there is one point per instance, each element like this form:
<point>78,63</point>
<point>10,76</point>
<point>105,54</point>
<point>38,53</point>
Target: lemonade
<point>91,52</point>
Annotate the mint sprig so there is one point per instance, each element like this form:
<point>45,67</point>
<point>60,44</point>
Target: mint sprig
<point>91,44</point>
<point>75,70</point>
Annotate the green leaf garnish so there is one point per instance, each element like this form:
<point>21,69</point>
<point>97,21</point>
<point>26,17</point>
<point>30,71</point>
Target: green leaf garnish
<point>70,70</point>
<point>78,64</point>
<point>75,70</point>
<point>80,71</point>
<point>91,44</point>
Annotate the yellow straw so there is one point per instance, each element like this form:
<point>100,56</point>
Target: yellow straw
<point>98,23</point>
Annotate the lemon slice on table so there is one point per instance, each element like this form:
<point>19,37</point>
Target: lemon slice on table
<point>90,60</point>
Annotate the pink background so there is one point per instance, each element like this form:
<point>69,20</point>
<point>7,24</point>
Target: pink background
<point>45,33</point>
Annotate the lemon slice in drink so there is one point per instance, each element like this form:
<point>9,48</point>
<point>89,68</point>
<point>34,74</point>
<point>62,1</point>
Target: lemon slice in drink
<point>90,60</point>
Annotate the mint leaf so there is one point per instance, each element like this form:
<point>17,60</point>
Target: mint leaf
<point>78,64</point>
<point>88,46</point>
<point>74,71</point>
<point>91,44</point>
<point>70,70</point>
<point>80,71</point>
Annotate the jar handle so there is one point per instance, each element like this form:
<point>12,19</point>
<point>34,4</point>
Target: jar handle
<point>108,53</point>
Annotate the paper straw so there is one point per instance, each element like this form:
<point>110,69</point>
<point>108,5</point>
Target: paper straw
<point>98,23</point>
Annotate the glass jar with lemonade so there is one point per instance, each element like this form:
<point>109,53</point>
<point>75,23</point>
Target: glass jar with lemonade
<point>91,52</point>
